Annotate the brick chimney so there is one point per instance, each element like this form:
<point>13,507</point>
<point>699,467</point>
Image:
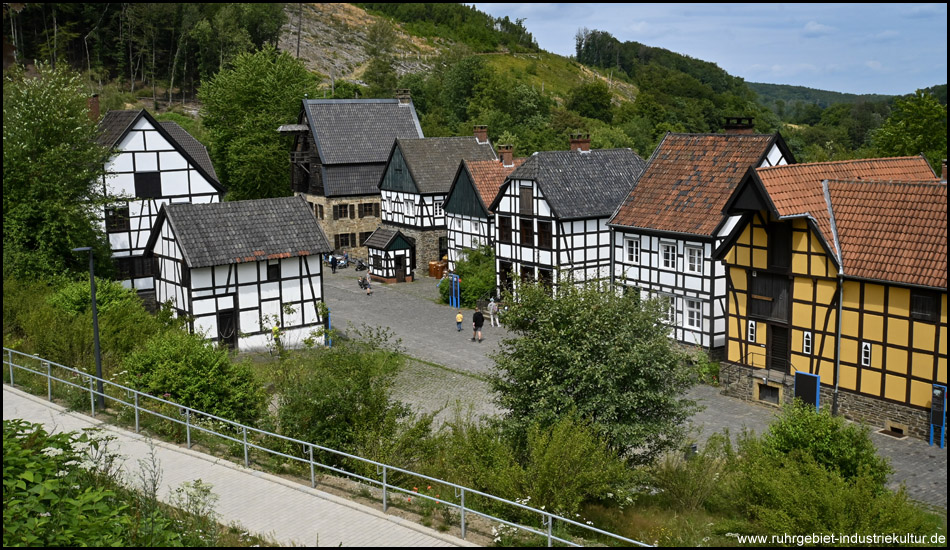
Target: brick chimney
<point>92,106</point>
<point>403,95</point>
<point>742,125</point>
<point>943,171</point>
<point>580,142</point>
<point>506,154</point>
<point>481,134</point>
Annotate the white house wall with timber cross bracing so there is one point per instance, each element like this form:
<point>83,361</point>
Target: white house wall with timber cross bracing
<point>238,269</point>
<point>551,213</point>
<point>469,222</point>
<point>154,163</point>
<point>417,178</point>
<point>664,234</point>
<point>390,256</point>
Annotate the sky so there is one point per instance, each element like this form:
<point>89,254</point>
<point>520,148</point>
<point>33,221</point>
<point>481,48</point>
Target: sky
<point>853,48</point>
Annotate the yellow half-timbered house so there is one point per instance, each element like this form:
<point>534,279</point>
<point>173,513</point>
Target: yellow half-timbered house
<point>839,270</point>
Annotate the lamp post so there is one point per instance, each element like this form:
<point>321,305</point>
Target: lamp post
<point>100,399</point>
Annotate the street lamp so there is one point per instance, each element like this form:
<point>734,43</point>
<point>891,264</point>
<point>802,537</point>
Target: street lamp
<point>100,397</point>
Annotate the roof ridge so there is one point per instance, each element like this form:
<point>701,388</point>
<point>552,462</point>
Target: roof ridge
<point>846,161</point>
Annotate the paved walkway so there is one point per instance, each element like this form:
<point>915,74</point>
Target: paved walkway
<point>285,512</point>
<point>427,329</point>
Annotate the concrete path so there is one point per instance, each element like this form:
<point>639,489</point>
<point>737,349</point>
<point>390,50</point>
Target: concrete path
<point>283,511</point>
<point>427,329</point>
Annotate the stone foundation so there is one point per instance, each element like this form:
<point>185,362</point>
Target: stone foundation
<point>389,280</point>
<point>759,385</point>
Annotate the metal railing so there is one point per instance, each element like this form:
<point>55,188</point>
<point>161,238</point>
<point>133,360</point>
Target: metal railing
<point>193,420</point>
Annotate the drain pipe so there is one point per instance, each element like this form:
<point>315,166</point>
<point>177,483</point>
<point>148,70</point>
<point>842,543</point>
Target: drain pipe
<point>834,397</point>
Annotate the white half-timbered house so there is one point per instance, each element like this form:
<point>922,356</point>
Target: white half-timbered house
<point>154,163</point>
<point>390,256</point>
<point>469,222</point>
<point>414,185</point>
<point>664,234</point>
<point>551,213</point>
<point>238,269</point>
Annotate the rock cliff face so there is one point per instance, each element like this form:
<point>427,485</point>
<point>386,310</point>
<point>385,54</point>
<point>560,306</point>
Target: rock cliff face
<point>333,41</point>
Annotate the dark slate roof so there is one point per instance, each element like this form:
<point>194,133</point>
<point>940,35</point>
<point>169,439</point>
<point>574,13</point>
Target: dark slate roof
<point>353,131</point>
<point>114,125</point>
<point>191,146</point>
<point>352,179</point>
<point>577,184</point>
<point>433,162</point>
<point>382,238</point>
<point>242,231</point>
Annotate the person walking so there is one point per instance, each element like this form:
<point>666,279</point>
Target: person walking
<point>478,321</point>
<point>458,320</point>
<point>493,313</point>
<point>333,264</point>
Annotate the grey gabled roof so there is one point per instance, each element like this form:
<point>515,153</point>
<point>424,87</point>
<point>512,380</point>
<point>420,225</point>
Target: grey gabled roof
<point>242,231</point>
<point>433,162</point>
<point>356,131</point>
<point>191,145</point>
<point>352,179</point>
<point>114,125</point>
<point>576,184</point>
<point>383,238</point>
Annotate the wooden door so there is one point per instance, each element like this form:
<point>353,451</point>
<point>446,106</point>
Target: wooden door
<point>778,348</point>
<point>227,328</point>
<point>399,264</point>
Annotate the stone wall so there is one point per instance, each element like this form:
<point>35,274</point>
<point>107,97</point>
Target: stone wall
<point>746,383</point>
<point>355,225</point>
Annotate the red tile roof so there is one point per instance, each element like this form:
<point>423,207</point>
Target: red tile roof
<point>488,177</point>
<point>795,189</point>
<point>891,231</point>
<point>688,181</point>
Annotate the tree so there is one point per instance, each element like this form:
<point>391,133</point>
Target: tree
<point>51,172</point>
<point>604,354</point>
<point>380,74</point>
<point>592,100</point>
<point>476,268</point>
<point>243,107</point>
<point>917,125</point>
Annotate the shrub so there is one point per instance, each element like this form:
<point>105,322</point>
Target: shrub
<point>477,272</point>
<point>690,482</point>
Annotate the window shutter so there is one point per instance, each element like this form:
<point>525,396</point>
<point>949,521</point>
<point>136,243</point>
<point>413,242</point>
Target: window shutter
<point>352,211</point>
<point>336,240</point>
<point>336,212</point>
<point>352,239</point>
<point>376,209</point>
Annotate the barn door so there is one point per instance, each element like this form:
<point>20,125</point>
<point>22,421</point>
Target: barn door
<point>227,328</point>
<point>399,264</point>
<point>778,348</point>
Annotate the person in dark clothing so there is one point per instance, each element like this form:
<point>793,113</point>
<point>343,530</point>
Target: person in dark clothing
<point>333,264</point>
<point>478,320</point>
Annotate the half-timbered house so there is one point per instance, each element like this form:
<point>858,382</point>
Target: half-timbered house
<point>338,156</point>
<point>236,270</point>
<point>470,224</point>
<point>551,213</point>
<point>390,256</point>
<point>838,271</point>
<point>154,163</point>
<point>664,233</point>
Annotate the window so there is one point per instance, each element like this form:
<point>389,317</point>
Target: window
<point>369,209</point>
<point>117,219</point>
<point>544,235</point>
<point>670,309</point>
<point>546,277</point>
<point>437,208</point>
<point>504,229</point>
<point>668,256</point>
<point>865,354</point>
<point>769,296</point>
<point>137,267</point>
<point>527,273</point>
<point>526,204</point>
<point>273,270</point>
<point>633,251</point>
<point>341,211</point>
<point>750,333</point>
<point>527,232</point>
<point>694,259</point>
<point>344,240</point>
<point>148,185</point>
<point>924,306</point>
<point>806,343</point>
<point>694,313</point>
<point>319,211</point>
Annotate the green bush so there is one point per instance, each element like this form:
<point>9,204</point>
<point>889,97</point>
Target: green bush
<point>477,273</point>
<point>187,369</point>
<point>689,482</point>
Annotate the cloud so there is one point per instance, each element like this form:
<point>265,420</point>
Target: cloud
<point>874,65</point>
<point>813,29</point>
<point>887,35</point>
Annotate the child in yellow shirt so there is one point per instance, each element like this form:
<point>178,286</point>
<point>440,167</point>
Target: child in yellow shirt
<point>458,320</point>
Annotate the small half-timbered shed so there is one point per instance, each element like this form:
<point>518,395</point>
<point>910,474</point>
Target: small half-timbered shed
<point>390,256</point>
<point>837,272</point>
<point>469,222</point>
<point>154,163</point>
<point>417,179</point>
<point>551,213</point>
<point>664,233</point>
<point>339,152</point>
<point>238,269</point>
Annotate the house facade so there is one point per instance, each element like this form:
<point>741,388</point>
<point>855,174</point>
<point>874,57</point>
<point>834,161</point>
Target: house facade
<point>154,163</point>
<point>551,213</point>
<point>664,234</point>
<point>338,156</point>
<point>843,277</point>
<point>390,256</point>
<point>468,221</point>
<point>238,269</point>
<point>415,182</point>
